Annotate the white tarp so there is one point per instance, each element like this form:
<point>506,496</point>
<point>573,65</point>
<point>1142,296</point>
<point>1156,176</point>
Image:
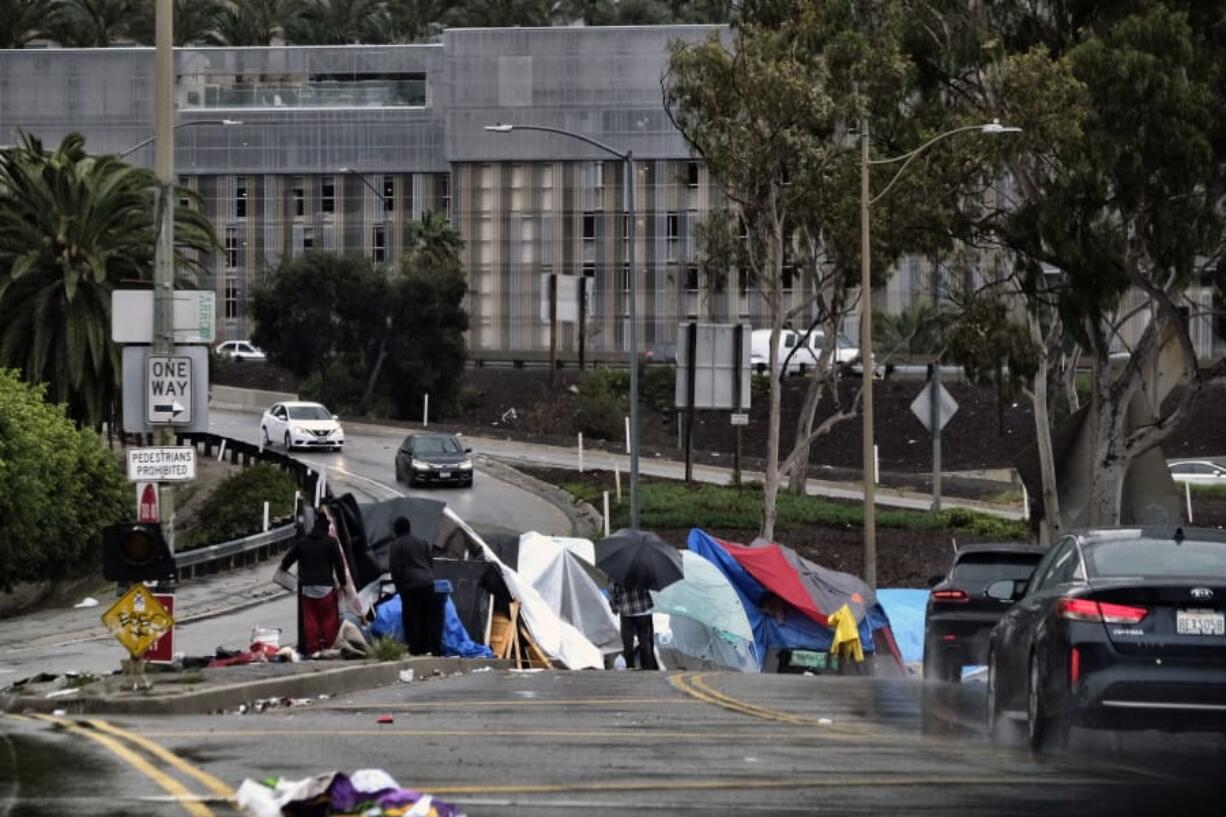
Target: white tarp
<point>561,641</point>
<point>551,565</point>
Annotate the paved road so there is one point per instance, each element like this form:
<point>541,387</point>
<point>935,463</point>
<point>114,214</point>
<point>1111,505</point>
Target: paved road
<point>589,743</point>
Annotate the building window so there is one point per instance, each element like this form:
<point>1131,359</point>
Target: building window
<point>589,269</point>
<point>298,197</point>
<point>691,174</point>
<point>231,247</point>
<point>240,197</point>
<point>598,175</point>
<point>184,201</point>
<point>789,275</point>
<point>691,277</point>
<point>589,226</point>
<point>230,297</point>
<point>673,228</point>
<point>327,195</point>
<point>379,244</point>
<point>308,238</point>
<point>626,226</point>
<point>444,195</point>
<point>389,193</point>
<point>626,276</point>
<point>743,280</point>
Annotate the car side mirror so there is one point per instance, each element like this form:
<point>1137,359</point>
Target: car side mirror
<point>1006,590</point>
<point>935,580</point>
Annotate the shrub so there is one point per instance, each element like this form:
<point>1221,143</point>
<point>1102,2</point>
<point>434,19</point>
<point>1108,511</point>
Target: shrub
<point>387,649</point>
<point>59,487</point>
<point>602,403</point>
<point>236,507</point>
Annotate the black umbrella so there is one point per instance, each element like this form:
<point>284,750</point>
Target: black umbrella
<point>636,558</point>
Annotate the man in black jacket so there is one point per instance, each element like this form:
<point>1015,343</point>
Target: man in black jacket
<point>319,561</point>
<point>411,562</point>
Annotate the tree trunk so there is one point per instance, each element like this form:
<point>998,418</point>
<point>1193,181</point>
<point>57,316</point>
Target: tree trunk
<point>1052,525</point>
<point>804,427</point>
<point>1108,463</point>
<point>374,373</point>
<point>770,486</point>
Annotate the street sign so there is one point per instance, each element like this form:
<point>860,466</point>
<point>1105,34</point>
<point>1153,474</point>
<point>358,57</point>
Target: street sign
<point>163,650</point>
<point>168,390</point>
<point>568,298</point>
<point>921,407</point>
<point>716,369</point>
<point>176,464</point>
<point>137,620</point>
<point>148,511</point>
<point>740,419</point>
<point>136,390</point>
<point>132,316</point>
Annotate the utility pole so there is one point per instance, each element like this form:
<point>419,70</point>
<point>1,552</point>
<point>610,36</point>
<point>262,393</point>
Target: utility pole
<point>935,409</point>
<point>866,357</point>
<point>164,249</point>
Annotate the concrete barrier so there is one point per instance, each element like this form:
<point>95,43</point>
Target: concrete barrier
<point>255,401</point>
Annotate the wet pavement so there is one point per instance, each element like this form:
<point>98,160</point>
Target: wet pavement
<point>520,743</point>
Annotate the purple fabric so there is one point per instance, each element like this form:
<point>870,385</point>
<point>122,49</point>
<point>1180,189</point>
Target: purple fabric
<point>346,798</point>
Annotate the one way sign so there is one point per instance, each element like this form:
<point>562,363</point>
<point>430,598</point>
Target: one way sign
<point>168,395</point>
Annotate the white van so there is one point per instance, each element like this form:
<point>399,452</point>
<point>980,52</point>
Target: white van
<point>807,356</point>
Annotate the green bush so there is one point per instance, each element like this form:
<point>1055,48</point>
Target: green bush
<point>674,505</point>
<point>236,507</point>
<point>59,486</point>
<point>602,403</point>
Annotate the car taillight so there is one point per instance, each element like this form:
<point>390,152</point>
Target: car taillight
<point>950,595</point>
<point>1089,610</point>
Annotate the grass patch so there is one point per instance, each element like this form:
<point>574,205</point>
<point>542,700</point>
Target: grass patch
<point>387,649</point>
<point>674,505</point>
<point>1214,491</point>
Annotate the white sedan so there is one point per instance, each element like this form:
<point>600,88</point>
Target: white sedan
<point>301,425</point>
<point>241,350</point>
<point>1198,471</point>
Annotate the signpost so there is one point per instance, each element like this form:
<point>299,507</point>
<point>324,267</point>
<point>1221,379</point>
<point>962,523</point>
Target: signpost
<point>173,464</point>
<point>137,620</point>
<point>153,384</point>
<point>935,407</point>
<point>168,390</point>
<point>712,373</point>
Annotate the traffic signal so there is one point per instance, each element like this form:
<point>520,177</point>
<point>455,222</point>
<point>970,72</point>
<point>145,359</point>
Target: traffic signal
<point>136,553</point>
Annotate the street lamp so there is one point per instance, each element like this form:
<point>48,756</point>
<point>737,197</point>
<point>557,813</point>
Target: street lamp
<point>866,318</point>
<point>349,171</point>
<point>223,122</point>
<point>627,158</point>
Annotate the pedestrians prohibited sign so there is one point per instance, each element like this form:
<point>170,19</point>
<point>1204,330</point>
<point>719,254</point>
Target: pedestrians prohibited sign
<point>161,464</point>
<point>137,620</point>
<point>168,392</point>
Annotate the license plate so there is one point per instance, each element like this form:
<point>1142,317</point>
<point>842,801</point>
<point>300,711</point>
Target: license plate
<point>1200,622</point>
<point>444,474</point>
<point>805,658</point>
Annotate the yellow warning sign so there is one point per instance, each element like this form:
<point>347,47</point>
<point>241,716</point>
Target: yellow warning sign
<point>137,620</point>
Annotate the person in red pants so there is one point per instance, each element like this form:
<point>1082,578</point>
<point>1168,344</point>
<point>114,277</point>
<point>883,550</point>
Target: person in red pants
<point>320,571</point>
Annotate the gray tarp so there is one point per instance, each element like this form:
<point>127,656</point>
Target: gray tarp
<point>563,582</point>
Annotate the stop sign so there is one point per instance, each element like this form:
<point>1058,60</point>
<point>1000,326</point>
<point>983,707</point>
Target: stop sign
<point>148,510</point>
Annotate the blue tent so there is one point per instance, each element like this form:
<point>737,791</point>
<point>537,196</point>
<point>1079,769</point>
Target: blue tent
<point>795,631</point>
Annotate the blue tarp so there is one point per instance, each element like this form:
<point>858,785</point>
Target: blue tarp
<point>389,623</point>
<point>906,611</point>
<point>796,631</point>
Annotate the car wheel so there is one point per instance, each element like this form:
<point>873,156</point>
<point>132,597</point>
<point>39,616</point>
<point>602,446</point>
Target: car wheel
<point>288,444</point>
<point>1044,731</point>
<point>468,483</point>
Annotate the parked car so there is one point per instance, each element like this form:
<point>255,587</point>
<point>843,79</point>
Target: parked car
<point>301,425</point>
<point>806,356</point>
<point>240,350</point>
<point>1198,471</point>
<point>434,459</point>
<point>1118,629</point>
<point>960,616</point>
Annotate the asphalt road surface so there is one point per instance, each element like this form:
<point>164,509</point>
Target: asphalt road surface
<point>615,743</point>
<point>368,460</point>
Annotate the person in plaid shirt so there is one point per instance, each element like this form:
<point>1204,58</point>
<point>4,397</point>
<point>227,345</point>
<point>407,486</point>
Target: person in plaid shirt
<point>634,606</point>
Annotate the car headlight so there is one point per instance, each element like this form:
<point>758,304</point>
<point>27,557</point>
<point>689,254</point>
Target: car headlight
<point>467,465</point>
<point>418,465</point>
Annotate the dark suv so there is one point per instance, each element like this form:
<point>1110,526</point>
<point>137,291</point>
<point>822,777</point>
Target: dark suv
<point>960,615</point>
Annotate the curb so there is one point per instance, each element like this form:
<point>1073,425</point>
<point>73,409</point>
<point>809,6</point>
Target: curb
<point>330,682</point>
<point>585,521</point>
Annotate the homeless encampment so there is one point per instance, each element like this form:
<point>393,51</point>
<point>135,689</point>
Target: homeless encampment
<point>789,600</point>
<point>705,623</point>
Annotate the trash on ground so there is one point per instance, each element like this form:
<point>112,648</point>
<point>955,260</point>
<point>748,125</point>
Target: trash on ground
<point>407,676</point>
<point>483,669</point>
<point>59,713</point>
<point>385,719</point>
<point>62,693</point>
<point>369,792</point>
<point>88,601</point>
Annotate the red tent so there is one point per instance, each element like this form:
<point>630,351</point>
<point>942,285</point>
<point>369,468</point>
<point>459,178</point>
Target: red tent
<point>771,566</point>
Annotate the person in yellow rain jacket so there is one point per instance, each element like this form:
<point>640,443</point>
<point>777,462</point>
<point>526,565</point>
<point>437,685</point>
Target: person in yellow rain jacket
<point>846,641</point>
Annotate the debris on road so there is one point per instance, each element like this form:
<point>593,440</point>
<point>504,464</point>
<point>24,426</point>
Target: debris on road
<point>385,719</point>
<point>88,601</point>
<point>369,792</point>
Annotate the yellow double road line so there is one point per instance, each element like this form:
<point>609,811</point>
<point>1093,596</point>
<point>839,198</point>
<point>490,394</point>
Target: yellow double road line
<point>696,686</point>
<point>112,738</point>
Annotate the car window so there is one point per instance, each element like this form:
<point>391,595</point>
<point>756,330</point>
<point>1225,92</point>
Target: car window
<point>987,567</point>
<point>309,412</point>
<point>407,445</point>
<point>245,347</point>
<point>789,340</point>
<point>1158,557</point>
<point>1064,555</point>
<point>437,445</point>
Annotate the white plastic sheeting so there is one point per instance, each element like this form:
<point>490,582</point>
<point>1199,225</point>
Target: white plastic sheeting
<point>550,565</point>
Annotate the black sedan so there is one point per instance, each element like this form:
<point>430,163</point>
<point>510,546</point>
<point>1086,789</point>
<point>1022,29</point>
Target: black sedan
<point>434,459</point>
<point>960,615</point>
<point>1117,629</point>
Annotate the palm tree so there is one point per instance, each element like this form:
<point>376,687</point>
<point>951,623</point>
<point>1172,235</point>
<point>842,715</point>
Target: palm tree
<point>416,21</point>
<point>252,22</point>
<point>337,22</point>
<point>434,244</point>
<point>195,22</point>
<point>93,23</point>
<point>500,13</point>
<point>24,20</point>
<point>73,227</point>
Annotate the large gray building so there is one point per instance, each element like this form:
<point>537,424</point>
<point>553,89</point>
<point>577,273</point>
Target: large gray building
<point>340,148</point>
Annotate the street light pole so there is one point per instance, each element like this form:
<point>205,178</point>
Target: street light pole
<point>164,249</point>
<point>627,158</point>
<point>867,200</point>
<point>144,142</point>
